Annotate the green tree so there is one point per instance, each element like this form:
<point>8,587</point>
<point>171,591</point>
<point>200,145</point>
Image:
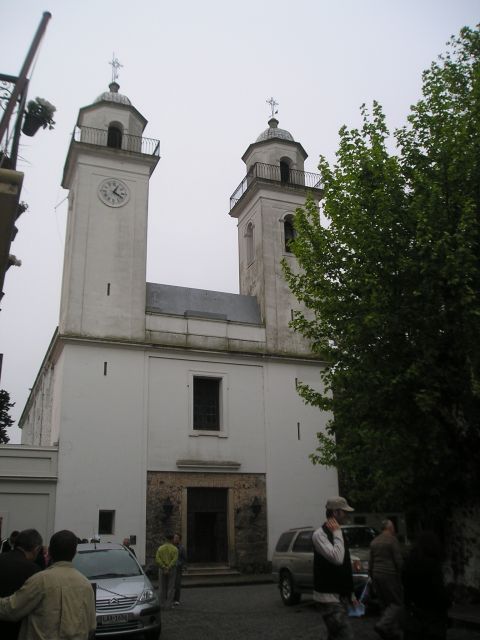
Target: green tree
<point>392,281</point>
<point>5,419</point>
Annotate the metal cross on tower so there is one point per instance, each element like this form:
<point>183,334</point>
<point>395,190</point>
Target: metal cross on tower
<point>272,104</point>
<point>115,64</point>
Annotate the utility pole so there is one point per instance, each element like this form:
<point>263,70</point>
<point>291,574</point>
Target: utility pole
<point>11,180</point>
<point>21,83</point>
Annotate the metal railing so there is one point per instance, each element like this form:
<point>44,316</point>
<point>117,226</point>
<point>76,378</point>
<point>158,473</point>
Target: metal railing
<point>277,174</point>
<point>127,142</point>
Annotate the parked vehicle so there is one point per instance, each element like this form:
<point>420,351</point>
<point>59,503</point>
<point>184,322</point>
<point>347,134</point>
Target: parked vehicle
<point>126,603</point>
<point>292,561</point>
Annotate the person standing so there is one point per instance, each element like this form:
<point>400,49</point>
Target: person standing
<point>166,558</point>
<point>332,570</point>
<point>426,598</point>
<point>385,567</point>
<point>127,544</point>
<point>181,562</point>
<point>55,604</point>
<point>15,568</point>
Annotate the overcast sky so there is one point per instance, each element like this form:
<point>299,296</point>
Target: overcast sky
<point>200,72</point>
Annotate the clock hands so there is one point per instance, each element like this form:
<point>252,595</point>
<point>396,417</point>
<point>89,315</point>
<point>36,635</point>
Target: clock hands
<point>113,192</point>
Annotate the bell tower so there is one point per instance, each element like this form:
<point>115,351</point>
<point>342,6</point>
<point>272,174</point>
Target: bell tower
<point>107,172</point>
<point>264,205</point>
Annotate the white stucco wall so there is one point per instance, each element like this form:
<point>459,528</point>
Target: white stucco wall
<point>28,477</point>
<point>170,434</point>
<point>261,430</point>
<point>104,276</point>
<point>297,490</point>
<point>102,441</point>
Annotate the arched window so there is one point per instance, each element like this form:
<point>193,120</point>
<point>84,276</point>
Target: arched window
<point>249,243</point>
<point>284,171</point>
<point>288,232</point>
<point>114,136</point>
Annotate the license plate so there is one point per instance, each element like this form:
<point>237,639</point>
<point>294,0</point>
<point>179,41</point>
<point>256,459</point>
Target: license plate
<point>114,618</point>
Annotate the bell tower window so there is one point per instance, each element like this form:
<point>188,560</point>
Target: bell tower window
<point>114,136</point>
<point>288,232</point>
<point>249,243</point>
<point>284,171</point>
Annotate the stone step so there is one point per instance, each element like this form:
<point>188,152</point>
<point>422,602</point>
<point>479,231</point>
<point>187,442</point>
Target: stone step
<point>206,570</point>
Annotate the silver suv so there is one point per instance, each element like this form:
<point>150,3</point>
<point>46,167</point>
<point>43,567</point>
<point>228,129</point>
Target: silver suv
<point>292,561</point>
<point>126,602</point>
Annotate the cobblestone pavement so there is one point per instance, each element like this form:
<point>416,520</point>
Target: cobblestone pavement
<point>255,612</point>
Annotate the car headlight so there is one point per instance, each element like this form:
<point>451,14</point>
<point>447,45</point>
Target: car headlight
<point>147,596</point>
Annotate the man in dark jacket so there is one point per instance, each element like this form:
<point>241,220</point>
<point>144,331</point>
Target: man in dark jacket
<point>15,568</point>
<point>332,570</point>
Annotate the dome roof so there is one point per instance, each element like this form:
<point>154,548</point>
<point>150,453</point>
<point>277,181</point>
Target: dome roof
<point>274,132</point>
<point>113,95</point>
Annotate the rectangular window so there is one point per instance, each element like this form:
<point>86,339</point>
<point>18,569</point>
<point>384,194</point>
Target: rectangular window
<point>206,403</point>
<point>106,522</point>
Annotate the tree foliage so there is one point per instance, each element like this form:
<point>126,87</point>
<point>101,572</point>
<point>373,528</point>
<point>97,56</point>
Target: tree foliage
<point>5,419</point>
<point>391,279</point>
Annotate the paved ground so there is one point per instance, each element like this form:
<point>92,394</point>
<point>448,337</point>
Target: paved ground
<point>255,612</point>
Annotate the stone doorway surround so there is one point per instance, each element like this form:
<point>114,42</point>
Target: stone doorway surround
<point>246,527</point>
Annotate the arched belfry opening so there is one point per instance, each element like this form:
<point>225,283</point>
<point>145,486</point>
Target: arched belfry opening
<point>114,136</point>
<point>289,232</point>
<point>284,170</point>
<point>249,243</point>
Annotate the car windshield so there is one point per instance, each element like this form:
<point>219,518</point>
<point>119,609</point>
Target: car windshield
<point>106,563</point>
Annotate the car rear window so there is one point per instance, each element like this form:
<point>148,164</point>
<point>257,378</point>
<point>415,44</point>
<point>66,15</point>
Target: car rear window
<point>359,537</point>
<point>284,541</point>
<point>106,563</point>
<point>303,542</point>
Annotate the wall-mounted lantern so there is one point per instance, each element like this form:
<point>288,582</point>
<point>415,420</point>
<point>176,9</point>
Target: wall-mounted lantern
<point>167,509</point>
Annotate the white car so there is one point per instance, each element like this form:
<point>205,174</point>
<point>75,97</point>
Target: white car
<point>126,603</point>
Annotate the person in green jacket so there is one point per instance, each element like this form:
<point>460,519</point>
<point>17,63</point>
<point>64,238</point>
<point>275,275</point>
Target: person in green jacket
<point>166,558</point>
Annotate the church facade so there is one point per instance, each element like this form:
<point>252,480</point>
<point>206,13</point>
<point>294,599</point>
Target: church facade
<point>176,409</point>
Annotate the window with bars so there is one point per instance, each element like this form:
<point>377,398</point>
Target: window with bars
<point>106,522</point>
<point>206,403</point>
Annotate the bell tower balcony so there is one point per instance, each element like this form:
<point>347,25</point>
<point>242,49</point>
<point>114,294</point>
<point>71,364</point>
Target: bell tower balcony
<point>279,176</point>
<point>111,141</point>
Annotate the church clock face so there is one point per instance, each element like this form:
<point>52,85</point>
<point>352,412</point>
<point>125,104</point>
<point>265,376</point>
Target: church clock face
<point>113,192</point>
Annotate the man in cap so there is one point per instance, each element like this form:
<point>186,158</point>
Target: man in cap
<point>332,570</point>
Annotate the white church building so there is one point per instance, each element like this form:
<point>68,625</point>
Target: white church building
<point>163,408</point>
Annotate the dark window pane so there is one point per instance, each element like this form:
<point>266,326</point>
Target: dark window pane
<point>114,137</point>
<point>284,541</point>
<point>106,521</point>
<point>303,542</point>
<point>289,232</point>
<point>206,404</point>
<point>358,537</point>
<point>284,172</point>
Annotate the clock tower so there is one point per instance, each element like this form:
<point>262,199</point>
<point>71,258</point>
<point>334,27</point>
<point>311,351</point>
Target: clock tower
<point>107,172</point>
